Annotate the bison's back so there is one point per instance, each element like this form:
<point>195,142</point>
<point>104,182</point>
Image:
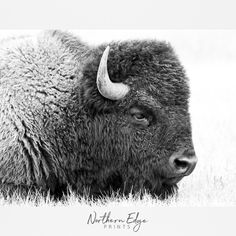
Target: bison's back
<point>37,75</point>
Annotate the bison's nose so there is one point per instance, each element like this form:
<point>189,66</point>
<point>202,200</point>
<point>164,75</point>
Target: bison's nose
<point>183,163</point>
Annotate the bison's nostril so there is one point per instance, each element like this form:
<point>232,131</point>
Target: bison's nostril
<point>180,163</point>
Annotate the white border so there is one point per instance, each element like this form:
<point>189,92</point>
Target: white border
<point>122,14</point>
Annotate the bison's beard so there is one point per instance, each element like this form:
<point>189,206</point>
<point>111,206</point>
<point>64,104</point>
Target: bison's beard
<point>166,191</point>
<point>116,185</point>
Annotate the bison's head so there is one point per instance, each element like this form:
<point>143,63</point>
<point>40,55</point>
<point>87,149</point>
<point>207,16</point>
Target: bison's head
<point>137,132</point>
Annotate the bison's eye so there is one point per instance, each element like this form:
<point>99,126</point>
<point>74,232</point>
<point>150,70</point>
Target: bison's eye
<point>139,117</point>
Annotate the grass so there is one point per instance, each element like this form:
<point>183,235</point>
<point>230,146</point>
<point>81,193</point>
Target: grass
<point>204,188</point>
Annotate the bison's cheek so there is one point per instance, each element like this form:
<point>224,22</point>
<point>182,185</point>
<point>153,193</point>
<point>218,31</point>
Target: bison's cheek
<point>145,143</point>
<point>148,163</point>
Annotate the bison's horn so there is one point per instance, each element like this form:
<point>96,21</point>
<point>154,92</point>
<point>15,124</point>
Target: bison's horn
<point>106,87</point>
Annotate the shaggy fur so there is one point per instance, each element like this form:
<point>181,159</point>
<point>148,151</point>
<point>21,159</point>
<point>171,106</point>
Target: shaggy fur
<point>57,130</point>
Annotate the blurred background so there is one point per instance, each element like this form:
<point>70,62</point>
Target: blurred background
<point>209,57</point>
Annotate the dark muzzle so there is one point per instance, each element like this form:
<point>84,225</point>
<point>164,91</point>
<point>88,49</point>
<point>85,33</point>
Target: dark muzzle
<point>182,163</point>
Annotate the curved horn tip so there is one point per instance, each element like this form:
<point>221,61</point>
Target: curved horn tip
<point>106,52</point>
<point>108,89</point>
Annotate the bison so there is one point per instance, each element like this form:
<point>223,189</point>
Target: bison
<point>110,117</point>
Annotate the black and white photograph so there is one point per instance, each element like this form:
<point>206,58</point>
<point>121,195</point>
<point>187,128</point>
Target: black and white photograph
<point>112,118</point>
<point>67,126</point>
<point>117,118</point>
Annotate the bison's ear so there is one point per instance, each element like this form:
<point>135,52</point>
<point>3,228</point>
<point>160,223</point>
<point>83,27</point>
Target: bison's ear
<point>108,89</point>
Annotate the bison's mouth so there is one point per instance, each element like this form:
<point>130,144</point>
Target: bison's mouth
<point>115,183</point>
<point>172,180</point>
